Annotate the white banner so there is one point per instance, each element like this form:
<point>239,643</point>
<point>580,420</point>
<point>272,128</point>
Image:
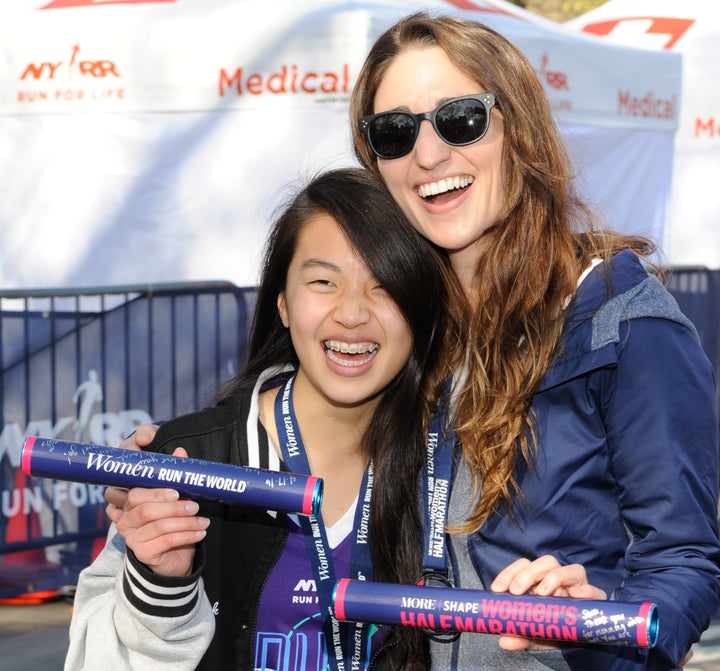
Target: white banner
<point>180,57</point>
<point>151,141</point>
<point>690,28</point>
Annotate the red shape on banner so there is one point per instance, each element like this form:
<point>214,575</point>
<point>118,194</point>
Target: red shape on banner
<point>99,543</point>
<point>672,27</point>
<point>23,527</point>
<point>26,568</point>
<point>31,599</point>
<point>480,7</point>
<point>63,4</point>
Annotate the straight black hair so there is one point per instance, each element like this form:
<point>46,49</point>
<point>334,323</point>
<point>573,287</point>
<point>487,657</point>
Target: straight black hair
<point>413,275</point>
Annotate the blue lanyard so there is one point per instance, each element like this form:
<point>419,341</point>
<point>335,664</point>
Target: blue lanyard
<point>436,489</point>
<point>340,637</point>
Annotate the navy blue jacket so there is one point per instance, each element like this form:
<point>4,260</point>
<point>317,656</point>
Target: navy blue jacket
<point>626,477</point>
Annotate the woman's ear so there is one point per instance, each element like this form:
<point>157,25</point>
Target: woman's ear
<point>282,309</point>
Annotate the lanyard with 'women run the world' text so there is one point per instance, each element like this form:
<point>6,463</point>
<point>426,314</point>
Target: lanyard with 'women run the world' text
<point>341,637</point>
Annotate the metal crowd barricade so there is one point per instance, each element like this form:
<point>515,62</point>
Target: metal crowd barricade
<point>697,291</point>
<point>89,365</point>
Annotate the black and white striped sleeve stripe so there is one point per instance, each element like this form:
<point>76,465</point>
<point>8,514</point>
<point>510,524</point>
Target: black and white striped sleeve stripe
<point>157,595</point>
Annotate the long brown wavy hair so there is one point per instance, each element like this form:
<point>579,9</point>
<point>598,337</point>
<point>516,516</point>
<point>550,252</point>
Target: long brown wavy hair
<point>532,257</point>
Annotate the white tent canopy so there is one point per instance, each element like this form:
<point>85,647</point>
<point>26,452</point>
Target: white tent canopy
<point>690,28</point>
<point>145,142</point>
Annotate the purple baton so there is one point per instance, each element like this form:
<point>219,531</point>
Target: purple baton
<point>541,617</point>
<point>194,478</point>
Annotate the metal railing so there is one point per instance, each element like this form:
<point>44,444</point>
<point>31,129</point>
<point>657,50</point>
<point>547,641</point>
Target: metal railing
<point>88,365</point>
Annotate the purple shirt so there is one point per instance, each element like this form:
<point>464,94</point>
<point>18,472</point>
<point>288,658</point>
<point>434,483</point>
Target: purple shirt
<point>289,634</point>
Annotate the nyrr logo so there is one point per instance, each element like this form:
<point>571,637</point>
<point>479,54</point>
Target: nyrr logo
<point>553,78</point>
<point>557,85</point>
<point>305,586</point>
<point>642,31</point>
<point>104,428</point>
<point>48,70</point>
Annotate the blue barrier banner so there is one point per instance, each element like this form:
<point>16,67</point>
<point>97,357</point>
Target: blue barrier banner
<point>89,365</point>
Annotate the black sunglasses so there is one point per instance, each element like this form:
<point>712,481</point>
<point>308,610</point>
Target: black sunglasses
<point>458,122</point>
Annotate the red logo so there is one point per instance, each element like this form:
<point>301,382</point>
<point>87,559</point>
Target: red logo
<point>64,4</point>
<point>285,79</point>
<point>672,29</point>
<point>73,79</point>
<point>554,79</point>
<point>48,70</point>
<point>478,7</point>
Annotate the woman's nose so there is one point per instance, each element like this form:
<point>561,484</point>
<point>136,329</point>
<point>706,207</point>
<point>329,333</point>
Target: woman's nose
<point>430,148</point>
<point>352,308</point>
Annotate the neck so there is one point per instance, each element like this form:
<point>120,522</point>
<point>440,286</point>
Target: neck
<point>464,263</point>
<point>466,277</point>
<point>332,437</point>
<point>330,430</point>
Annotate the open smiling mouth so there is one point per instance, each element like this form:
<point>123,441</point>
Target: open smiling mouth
<point>350,354</point>
<point>431,190</point>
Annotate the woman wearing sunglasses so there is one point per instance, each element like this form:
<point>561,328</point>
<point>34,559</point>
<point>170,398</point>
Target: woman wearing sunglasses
<point>583,402</point>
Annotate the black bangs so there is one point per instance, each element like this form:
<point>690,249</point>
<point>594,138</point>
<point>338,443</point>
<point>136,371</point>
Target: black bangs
<point>399,258</point>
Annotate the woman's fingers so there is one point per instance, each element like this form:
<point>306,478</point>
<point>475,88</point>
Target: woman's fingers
<point>544,577</point>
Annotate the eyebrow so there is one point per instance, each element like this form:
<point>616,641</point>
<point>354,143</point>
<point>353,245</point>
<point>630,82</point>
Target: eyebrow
<point>320,263</point>
<point>442,101</point>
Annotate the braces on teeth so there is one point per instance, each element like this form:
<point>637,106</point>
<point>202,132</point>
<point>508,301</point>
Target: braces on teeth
<point>349,348</point>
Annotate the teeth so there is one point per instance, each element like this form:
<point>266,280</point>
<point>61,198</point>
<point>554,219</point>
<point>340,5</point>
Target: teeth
<point>349,363</point>
<point>350,348</point>
<point>333,346</point>
<point>444,185</point>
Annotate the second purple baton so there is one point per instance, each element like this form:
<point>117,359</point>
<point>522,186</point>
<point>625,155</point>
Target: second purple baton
<point>541,617</point>
<point>194,478</point>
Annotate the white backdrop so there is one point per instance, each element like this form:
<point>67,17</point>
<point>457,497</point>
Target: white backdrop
<point>691,28</point>
<point>148,141</point>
